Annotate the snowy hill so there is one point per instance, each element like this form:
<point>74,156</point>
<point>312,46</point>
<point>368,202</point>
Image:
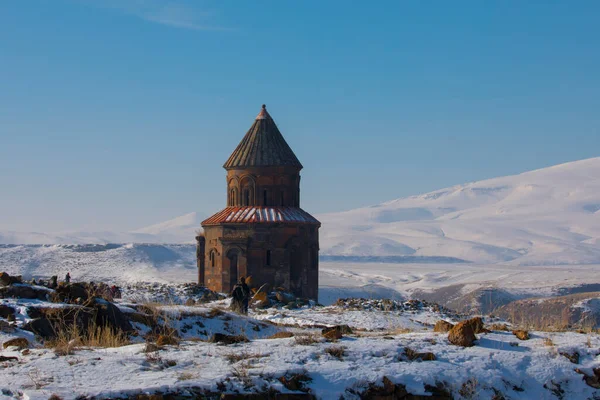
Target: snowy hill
<point>546,216</point>
<point>177,230</point>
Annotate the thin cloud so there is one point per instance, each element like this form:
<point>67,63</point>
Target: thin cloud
<point>175,13</point>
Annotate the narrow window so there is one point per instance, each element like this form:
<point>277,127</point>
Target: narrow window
<point>246,197</point>
<point>268,258</point>
<point>265,198</point>
<point>281,198</point>
<point>231,198</point>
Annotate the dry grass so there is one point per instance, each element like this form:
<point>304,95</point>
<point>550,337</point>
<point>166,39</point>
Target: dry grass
<point>244,355</point>
<point>498,327</point>
<point>398,331</point>
<point>185,376</point>
<point>336,351</point>
<point>70,337</point>
<point>281,335</point>
<point>548,342</point>
<point>307,340</point>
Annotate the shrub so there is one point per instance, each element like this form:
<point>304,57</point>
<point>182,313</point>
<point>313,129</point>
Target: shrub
<point>336,351</point>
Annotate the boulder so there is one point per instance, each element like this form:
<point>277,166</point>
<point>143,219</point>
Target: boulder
<point>573,357</point>
<point>71,292</point>
<point>41,327</point>
<point>261,300</point>
<point>336,332</point>
<point>228,339</point>
<point>109,315</point>
<point>6,327</point>
<point>443,326</point>
<point>521,334</point>
<point>24,291</point>
<point>6,311</point>
<point>284,297</point>
<point>20,343</point>
<point>477,325</point>
<point>413,355</point>
<point>4,279</point>
<point>462,334</point>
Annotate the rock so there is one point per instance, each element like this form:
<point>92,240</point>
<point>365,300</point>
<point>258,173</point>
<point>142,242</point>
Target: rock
<point>477,325</point>
<point>389,390</point>
<point>281,335</point>
<point>573,357</point>
<point>228,339</point>
<point>336,332</point>
<point>6,311</point>
<point>164,340</point>
<point>48,322</point>
<point>6,327</point>
<point>591,380</point>
<point>462,334</point>
<point>141,318</point>
<point>4,358</point>
<point>70,292</point>
<point>284,297</point>
<point>498,327</point>
<point>107,314</point>
<point>443,326</point>
<point>521,334</point>
<point>151,347</point>
<point>4,279</point>
<point>295,381</point>
<point>413,355</point>
<point>41,327</point>
<point>24,291</point>
<point>261,300</point>
<point>20,343</point>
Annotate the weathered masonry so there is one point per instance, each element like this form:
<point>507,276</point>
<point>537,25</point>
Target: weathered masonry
<point>262,232</point>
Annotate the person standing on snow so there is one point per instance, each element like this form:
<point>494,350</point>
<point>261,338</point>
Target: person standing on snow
<point>241,297</point>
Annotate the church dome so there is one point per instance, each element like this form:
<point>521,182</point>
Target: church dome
<point>262,146</point>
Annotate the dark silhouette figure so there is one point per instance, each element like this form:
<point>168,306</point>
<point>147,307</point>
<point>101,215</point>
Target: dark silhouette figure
<point>53,282</point>
<point>241,297</point>
<point>68,278</point>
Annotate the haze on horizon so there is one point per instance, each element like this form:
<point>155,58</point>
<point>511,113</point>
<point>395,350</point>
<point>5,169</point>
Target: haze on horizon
<point>115,115</point>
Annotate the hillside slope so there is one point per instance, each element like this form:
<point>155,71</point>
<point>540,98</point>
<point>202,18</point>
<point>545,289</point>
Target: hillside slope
<point>546,216</point>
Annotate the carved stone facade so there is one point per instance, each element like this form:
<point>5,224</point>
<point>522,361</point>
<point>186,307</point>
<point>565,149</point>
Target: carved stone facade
<point>263,232</point>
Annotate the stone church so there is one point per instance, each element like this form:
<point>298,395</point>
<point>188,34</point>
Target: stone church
<point>263,232</point>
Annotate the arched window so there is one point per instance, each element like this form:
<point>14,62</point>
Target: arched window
<point>265,197</point>
<point>212,257</point>
<point>282,198</point>
<point>268,258</point>
<point>246,197</point>
<point>231,197</point>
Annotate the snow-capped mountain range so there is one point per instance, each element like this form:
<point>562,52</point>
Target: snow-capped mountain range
<point>546,216</point>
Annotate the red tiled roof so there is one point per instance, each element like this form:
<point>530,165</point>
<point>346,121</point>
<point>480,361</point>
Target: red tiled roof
<point>260,215</point>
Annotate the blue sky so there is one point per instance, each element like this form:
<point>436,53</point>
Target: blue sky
<point>119,114</point>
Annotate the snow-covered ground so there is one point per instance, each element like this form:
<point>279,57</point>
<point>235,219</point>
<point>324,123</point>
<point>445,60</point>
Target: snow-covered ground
<point>499,363</point>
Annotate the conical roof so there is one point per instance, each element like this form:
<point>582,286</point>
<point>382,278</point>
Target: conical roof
<point>263,146</point>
